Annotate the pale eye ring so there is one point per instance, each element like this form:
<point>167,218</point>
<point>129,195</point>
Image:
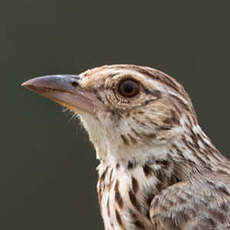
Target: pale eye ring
<point>128,88</point>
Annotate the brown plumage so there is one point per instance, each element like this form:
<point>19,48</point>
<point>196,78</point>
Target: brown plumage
<point>158,168</point>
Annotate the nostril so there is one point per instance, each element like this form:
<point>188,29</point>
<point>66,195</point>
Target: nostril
<point>74,83</point>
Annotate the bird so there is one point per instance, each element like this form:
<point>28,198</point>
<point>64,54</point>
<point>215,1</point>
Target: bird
<point>158,169</point>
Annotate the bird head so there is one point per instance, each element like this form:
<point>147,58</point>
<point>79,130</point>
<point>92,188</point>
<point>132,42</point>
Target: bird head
<point>130,112</point>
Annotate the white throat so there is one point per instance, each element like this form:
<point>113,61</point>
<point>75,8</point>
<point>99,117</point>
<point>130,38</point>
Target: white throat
<point>111,150</point>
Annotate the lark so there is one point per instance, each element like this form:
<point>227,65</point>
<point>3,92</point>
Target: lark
<point>158,170</point>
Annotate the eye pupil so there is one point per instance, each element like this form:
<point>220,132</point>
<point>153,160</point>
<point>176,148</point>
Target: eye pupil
<point>128,88</point>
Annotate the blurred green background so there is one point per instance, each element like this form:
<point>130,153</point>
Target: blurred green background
<point>47,165</point>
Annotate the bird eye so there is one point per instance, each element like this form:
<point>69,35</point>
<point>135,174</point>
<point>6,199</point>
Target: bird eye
<point>128,88</point>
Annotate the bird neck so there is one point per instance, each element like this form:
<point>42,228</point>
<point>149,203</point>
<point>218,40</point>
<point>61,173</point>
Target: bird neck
<point>193,152</point>
<point>188,153</point>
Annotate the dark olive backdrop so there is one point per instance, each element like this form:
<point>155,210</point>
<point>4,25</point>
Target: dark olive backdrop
<point>47,166</point>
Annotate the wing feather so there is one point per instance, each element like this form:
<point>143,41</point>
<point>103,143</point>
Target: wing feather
<point>192,206</point>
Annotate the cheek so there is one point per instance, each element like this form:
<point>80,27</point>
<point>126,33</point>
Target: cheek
<point>109,119</point>
<point>156,115</point>
<point>166,119</point>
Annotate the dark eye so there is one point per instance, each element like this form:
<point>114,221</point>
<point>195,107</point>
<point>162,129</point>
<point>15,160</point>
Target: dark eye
<point>129,88</point>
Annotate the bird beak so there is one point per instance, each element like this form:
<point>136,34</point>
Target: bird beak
<point>65,90</point>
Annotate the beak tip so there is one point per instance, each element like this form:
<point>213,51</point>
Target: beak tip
<point>31,85</point>
<point>27,83</point>
<point>24,84</point>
